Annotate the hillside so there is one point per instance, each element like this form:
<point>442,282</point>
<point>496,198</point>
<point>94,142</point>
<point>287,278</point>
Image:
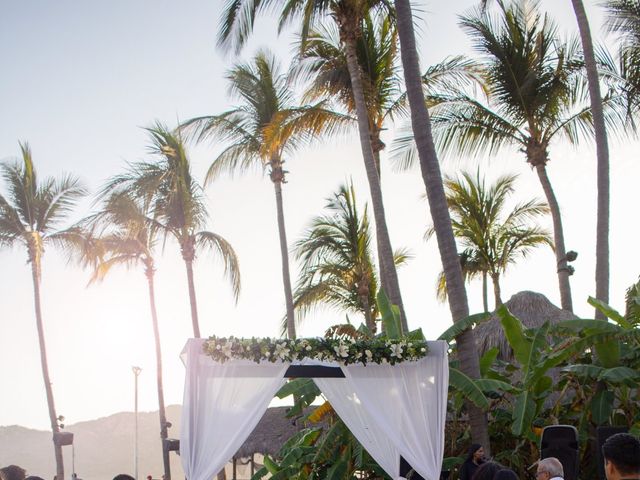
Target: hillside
<point>103,447</point>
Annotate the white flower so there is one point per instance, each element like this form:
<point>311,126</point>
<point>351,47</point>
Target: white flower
<point>268,354</point>
<point>226,350</point>
<point>410,345</point>
<point>281,351</point>
<point>359,354</point>
<point>308,347</point>
<point>423,349</point>
<point>368,354</point>
<point>341,350</point>
<point>384,361</point>
<point>218,347</point>
<point>396,350</point>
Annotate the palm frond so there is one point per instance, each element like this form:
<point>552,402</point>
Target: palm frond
<point>218,245</point>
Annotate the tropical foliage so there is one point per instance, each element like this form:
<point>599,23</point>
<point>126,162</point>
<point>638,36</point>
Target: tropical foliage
<point>491,236</point>
<point>336,260</point>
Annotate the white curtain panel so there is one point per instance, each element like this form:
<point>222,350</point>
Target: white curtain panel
<point>222,405</point>
<point>348,406</point>
<point>409,403</point>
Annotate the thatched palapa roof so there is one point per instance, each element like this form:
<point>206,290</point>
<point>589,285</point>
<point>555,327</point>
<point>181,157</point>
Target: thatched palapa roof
<point>532,308</point>
<point>273,430</point>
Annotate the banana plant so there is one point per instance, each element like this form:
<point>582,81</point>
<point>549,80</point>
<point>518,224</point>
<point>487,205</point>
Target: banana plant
<point>616,367</point>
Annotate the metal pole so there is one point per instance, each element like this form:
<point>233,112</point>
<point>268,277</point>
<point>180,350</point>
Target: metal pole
<point>136,372</point>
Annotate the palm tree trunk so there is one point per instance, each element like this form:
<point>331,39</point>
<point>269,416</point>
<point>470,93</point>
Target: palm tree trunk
<point>602,153</point>
<point>53,418</point>
<point>188,254</point>
<point>485,293</point>
<point>277,176</point>
<point>558,238</point>
<point>495,278</point>
<point>389,276</point>
<point>467,352</point>
<point>161,409</point>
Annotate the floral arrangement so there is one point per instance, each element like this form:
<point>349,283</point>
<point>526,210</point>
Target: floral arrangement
<point>340,350</point>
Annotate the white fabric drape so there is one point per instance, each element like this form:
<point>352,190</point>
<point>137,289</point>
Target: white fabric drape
<point>409,403</point>
<point>222,405</point>
<point>364,427</point>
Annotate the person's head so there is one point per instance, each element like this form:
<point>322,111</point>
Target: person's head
<point>13,472</point>
<point>621,454</point>
<point>33,477</point>
<point>476,452</point>
<point>123,476</point>
<point>505,474</point>
<point>486,471</point>
<point>548,468</point>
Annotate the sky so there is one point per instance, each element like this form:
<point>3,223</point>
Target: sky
<point>80,79</point>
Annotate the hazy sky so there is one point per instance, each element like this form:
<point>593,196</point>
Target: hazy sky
<point>79,79</point>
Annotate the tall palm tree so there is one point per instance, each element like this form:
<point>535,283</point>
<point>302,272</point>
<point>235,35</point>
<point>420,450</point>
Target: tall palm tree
<point>536,94</point>
<point>127,236</point>
<point>236,25</point>
<point>602,156</point>
<point>30,216</point>
<point>175,202</point>
<point>337,268</point>
<point>432,177</point>
<point>489,235</point>
<point>262,130</point>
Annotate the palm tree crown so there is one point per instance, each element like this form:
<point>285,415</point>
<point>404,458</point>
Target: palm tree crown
<point>176,205</point>
<point>491,238</point>
<point>337,268</point>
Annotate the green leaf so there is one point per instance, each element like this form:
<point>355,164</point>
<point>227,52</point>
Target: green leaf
<point>299,387</point>
<point>417,335</point>
<point>449,462</point>
<point>487,360</point>
<point>468,387</point>
<point>271,465</point>
<point>609,312</point>
<point>523,413</point>
<point>625,375</point>
<point>515,335</point>
<point>390,316</point>
<point>591,372</point>
<point>589,326</point>
<point>531,370</point>
<point>460,326</point>
<point>489,385</point>
<point>543,384</point>
<point>601,406</point>
<point>339,470</point>
<point>608,353</point>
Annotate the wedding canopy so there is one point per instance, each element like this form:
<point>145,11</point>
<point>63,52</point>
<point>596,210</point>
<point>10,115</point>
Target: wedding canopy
<point>393,410</point>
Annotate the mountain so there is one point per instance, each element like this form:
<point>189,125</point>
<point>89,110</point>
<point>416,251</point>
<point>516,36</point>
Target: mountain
<point>102,447</point>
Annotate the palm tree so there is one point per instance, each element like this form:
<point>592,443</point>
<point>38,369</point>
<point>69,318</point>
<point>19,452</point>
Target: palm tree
<point>337,267</point>
<point>174,199</point>
<point>264,128</point>
<point>536,94</point>
<point>602,156</point>
<point>432,177</point>
<point>624,19</point>
<point>491,238</point>
<point>129,237</point>
<point>237,24</point>
<point>30,216</point>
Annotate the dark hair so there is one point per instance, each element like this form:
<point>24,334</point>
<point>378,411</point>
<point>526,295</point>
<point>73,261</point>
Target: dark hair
<point>123,476</point>
<point>33,477</point>
<point>13,472</point>
<point>623,450</point>
<point>505,474</point>
<point>473,449</point>
<point>486,471</point>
